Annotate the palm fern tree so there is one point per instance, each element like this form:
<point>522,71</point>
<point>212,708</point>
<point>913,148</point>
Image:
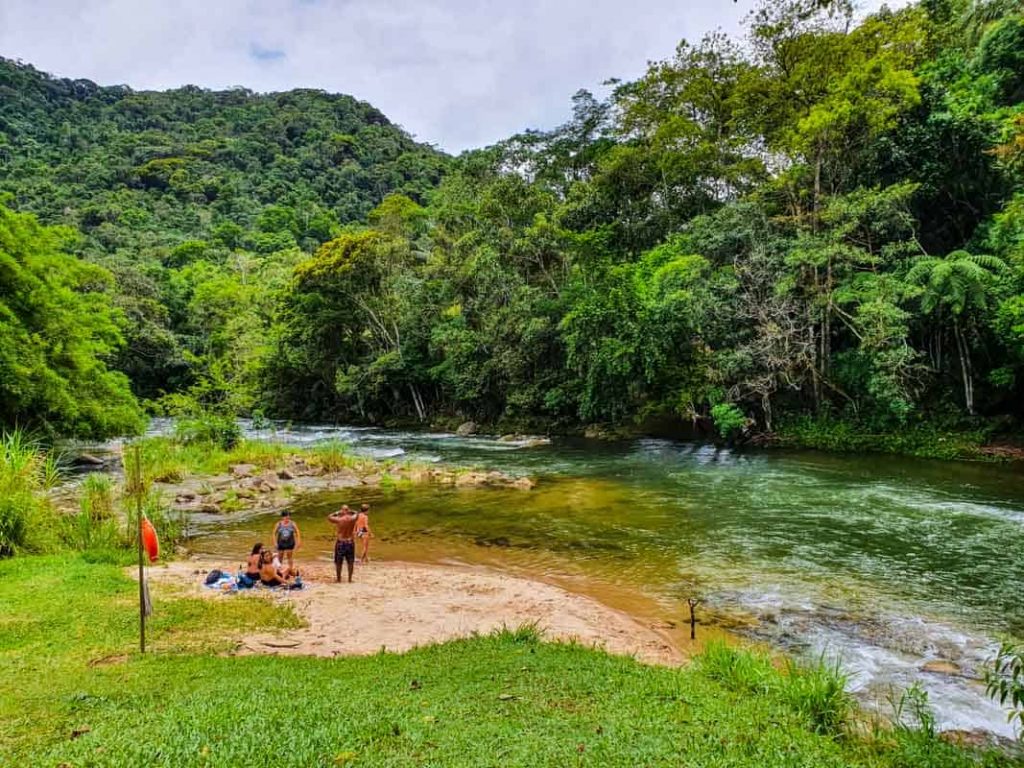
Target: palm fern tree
<point>953,287</point>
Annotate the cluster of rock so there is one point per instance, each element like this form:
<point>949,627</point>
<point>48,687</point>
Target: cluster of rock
<point>469,428</point>
<point>248,487</point>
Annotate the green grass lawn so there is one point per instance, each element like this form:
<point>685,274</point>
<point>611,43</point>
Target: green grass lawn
<point>74,691</point>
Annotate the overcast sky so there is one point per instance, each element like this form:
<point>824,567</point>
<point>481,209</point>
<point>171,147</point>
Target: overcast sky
<point>456,73</point>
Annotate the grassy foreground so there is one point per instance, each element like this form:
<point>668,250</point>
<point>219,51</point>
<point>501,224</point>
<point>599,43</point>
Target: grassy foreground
<point>75,692</point>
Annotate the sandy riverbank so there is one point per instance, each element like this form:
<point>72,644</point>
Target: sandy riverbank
<point>398,606</point>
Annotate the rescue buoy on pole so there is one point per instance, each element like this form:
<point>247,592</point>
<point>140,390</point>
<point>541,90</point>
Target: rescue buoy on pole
<point>150,541</point>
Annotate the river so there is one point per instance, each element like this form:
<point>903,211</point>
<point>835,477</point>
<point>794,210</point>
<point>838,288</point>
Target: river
<point>883,563</point>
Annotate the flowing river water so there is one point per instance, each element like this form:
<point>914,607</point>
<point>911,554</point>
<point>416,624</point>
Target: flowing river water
<point>883,563</point>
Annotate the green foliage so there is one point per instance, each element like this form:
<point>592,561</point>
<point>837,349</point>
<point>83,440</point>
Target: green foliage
<point>56,330</point>
<point>331,456</point>
<point>1004,682</point>
<point>818,692</point>
<point>728,419</point>
<point>924,439</point>
<point>197,202</point>
<point>735,668</point>
<point>912,713</point>
<point>97,525</point>
<point>955,284</point>
<point>210,429</point>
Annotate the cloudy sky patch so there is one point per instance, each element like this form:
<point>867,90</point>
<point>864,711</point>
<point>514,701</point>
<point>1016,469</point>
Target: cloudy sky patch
<point>260,53</point>
<point>456,73</point>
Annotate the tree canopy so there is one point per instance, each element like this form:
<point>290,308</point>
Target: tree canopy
<point>826,217</point>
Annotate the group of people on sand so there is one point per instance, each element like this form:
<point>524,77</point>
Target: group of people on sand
<point>276,568</point>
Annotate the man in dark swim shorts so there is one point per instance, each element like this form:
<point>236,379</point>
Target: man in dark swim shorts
<point>344,523</point>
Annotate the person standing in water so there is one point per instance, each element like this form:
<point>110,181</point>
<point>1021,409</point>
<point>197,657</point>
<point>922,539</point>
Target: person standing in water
<point>288,538</point>
<point>363,532</point>
<point>344,523</point>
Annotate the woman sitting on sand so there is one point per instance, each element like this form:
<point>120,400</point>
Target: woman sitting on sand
<point>254,562</point>
<point>270,575</point>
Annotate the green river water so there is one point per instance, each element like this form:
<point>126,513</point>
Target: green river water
<point>885,563</point>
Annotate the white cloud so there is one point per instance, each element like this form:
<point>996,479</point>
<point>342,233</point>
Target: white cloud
<point>458,73</point>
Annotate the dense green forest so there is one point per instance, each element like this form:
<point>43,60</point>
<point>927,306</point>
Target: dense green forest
<point>197,206</point>
<point>821,220</point>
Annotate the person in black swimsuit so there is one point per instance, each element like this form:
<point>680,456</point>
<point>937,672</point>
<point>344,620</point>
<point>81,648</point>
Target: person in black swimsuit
<point>253,563</point>
<point>363,532</point>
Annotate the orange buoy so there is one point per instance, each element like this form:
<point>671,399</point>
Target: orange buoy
<point>149,540</point>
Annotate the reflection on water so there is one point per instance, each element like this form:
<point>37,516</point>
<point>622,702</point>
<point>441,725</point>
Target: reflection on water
<point>888,563</point>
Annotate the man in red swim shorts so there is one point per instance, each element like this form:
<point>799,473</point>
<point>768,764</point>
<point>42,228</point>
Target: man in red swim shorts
<point>344,523</point>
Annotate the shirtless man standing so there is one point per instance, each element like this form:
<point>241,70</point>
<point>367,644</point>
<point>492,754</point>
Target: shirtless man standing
<point>344,523</point>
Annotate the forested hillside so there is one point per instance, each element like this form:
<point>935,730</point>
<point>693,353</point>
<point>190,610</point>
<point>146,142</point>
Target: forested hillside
<point>823,220</point>
<point>199,203</point>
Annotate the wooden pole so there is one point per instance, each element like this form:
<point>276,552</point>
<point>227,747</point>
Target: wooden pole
<point>693,603</point>
<point>135,485</point>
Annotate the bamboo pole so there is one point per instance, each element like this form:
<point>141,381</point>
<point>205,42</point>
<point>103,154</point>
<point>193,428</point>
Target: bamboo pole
<point>135,489</point>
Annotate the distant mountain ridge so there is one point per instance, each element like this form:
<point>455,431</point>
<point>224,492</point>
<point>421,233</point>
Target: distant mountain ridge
<point>85,155</point>
<point>181,191</point>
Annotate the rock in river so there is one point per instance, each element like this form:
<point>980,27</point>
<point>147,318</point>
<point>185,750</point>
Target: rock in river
<point>941,667</point>
<point>88,460</point>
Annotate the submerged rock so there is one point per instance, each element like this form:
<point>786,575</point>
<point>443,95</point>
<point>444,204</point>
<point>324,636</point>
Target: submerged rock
<point>472,478</point>
<point>976,738</point>
<point>88,460</point>
<point>495,541</point>
<point>941,667</point>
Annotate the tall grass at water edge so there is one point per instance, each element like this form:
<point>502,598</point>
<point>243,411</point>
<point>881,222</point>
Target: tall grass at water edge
<point>816,690</point>
<point>103,524</point>
<point>27,472</point>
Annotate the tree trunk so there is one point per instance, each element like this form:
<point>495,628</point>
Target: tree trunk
<point>815,377</point>
<point>418,402</point>
<point>965,367</point>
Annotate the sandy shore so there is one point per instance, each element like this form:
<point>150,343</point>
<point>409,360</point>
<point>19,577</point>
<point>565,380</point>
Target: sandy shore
<point>397,606</point>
